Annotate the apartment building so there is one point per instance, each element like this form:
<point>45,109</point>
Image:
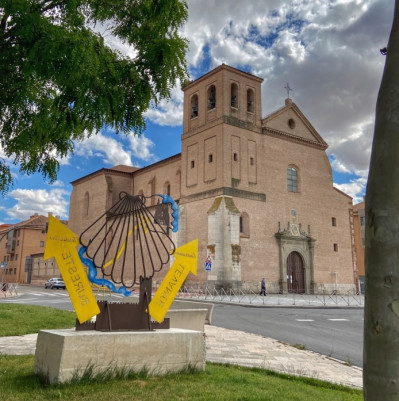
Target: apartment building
<point>21,252</point>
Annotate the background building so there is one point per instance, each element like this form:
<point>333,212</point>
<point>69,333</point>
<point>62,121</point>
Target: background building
<point>256,192</point>
<point>21,245</point>
<point>359,219</point>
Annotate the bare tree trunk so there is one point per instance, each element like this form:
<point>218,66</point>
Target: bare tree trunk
<point>381,325</point>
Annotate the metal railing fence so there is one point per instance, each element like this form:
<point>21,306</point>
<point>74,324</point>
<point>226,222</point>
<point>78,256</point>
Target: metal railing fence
<point>349,298</point>
<point>9,289</point>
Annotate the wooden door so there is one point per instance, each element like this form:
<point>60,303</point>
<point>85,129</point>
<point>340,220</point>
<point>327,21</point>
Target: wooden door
<point>295,273</point>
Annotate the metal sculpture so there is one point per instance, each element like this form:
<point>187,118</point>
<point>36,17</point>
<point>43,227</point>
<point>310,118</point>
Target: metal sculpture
<point>124,248</point>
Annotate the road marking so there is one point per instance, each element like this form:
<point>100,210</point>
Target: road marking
<point>19,301</point>
<point>48,294</point>
<point>332,320</point>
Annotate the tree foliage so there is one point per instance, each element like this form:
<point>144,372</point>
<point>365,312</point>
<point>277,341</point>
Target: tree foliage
<point>381,323</point>
<point>60,78</point>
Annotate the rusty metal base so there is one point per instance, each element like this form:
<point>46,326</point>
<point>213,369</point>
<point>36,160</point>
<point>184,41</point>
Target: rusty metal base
<point>118,316</point>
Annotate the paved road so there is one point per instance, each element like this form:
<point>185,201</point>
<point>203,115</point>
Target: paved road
<point>334,332</point>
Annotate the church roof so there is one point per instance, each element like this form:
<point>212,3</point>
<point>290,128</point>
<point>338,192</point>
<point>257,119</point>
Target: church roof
<point>217,69</point>
<point>290,123</point>
<point>124,168</point>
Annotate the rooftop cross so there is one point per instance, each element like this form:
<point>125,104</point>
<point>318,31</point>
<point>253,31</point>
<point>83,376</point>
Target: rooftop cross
<point>287,87</point>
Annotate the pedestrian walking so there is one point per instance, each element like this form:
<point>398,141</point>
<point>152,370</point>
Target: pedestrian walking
<point>263,287</point>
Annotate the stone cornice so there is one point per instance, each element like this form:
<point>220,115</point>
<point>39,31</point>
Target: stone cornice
<point>219,68</point>
<point>233,192</point>
<point>293,138</point>
<point>236,122</point>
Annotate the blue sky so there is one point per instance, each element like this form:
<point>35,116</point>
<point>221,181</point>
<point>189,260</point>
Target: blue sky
<point>328,51</point>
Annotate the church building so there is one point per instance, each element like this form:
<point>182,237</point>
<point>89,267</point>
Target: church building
<point>256,191</point>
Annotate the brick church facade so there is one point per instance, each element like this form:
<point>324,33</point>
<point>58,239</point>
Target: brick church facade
<point>256,192</point>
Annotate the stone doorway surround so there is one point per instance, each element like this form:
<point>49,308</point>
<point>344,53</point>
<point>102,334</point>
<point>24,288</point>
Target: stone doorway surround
<point>294,239</point>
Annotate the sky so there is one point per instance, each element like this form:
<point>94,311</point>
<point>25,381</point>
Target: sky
<point>327,50</point>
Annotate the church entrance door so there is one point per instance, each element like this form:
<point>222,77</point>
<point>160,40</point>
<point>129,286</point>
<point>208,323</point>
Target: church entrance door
<point>295,273</point>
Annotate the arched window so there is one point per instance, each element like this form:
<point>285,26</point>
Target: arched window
<point>250,101</point>
<point>234,95</point>
<point>166,188</point>
<point>244,224</point>
<point>292,179</point>
<point>86,204</point>
<point>211,97</point>
<point>194,106</point>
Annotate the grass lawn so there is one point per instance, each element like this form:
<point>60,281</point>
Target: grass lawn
<point>16,320</point>
<point>218,382</point>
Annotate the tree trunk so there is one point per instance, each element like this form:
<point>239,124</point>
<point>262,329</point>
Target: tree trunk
<point>381,324</point>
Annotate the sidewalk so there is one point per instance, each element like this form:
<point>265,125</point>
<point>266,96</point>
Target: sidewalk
<point>244,349</point>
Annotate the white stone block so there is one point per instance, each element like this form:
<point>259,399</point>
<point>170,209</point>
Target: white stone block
<point>62,354</point>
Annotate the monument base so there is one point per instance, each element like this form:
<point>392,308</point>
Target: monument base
<point>65,354</point>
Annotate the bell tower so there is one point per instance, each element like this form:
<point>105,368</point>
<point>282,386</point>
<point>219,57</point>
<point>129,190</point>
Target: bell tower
<point>221,132</point>
<point>220,111</point>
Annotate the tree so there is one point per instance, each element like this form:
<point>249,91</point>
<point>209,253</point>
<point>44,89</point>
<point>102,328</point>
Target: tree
<point>381,325</point>
<point>59,79</point>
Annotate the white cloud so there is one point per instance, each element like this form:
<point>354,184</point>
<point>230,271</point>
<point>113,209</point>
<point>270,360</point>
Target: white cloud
<point>111,150</point>
<point>114,151</point>
<point>141,147</point>
<point>354,188</point>
<point>2,155</point>
<point>168,112</point>
<point>58,184</point>
<point>31,201</point>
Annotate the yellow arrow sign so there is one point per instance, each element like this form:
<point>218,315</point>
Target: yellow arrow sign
<point>61,244</point>
<point>185,262</point>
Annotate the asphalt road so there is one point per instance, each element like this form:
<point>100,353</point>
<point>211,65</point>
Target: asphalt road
<point>336,332</point>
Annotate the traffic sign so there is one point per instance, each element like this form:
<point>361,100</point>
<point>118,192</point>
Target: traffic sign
<point>208,264</point>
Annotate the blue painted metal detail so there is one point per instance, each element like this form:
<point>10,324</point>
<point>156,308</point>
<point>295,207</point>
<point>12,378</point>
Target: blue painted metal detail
<point>92,275</point>
<point>175,211</point>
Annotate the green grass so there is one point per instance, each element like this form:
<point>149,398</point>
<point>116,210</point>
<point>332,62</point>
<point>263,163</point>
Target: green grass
<point>219,382</point>
<point>16,320</point>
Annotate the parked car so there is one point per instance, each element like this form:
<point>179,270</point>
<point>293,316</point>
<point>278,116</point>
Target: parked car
<point>55,283</point>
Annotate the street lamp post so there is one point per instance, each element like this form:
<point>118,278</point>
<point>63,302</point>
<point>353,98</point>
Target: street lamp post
<point>3,266</point>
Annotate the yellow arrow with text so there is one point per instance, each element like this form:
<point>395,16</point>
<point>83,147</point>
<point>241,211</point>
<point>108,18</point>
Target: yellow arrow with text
<point>186,257</point>
<point>61,244</point>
